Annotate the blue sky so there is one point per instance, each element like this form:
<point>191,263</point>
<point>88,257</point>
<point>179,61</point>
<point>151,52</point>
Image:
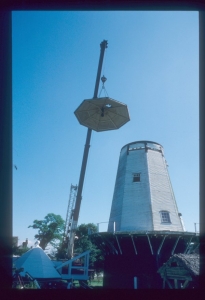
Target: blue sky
<point>151,64</point>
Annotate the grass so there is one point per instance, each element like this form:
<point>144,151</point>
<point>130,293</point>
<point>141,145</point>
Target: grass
<point>96,282</point>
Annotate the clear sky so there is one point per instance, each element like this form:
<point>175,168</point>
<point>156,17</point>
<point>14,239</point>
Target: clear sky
<point>151,64</point>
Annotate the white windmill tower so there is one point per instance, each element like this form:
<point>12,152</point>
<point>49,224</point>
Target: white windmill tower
<point>143,197</point>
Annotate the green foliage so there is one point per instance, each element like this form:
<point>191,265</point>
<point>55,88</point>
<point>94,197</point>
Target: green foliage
<point>30,285</point>
<point>19,251</point>
<point>61,252</point>
<point>83,243</point>
<point>50,230</point>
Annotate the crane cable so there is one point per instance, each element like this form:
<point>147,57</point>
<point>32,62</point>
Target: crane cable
<point>103,79</point>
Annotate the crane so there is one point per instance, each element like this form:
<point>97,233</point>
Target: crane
<point>76,210</point>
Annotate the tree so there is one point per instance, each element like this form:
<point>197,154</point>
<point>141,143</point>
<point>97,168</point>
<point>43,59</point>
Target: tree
<point>50,230</point>
<point>17,250</point>
<point>83,243</point>
<point>61,252</point>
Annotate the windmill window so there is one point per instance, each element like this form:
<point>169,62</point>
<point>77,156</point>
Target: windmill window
<point>136,177</point>
<point>165,217</point>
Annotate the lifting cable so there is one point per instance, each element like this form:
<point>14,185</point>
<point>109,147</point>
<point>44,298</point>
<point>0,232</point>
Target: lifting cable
<point>103,79</point>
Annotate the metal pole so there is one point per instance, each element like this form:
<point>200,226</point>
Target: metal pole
<point>103,46</point>
<point>135,283</point>
<point>195,227</point>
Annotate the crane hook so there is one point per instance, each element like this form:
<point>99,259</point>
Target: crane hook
<point>103,79</point>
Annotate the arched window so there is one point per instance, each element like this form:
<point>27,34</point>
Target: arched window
<point>165,217</point>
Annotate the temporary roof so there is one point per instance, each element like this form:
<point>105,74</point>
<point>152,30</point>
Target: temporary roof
<point>101,114</point>
<point>37,264</point>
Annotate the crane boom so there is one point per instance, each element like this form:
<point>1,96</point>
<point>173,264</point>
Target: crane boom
<point>76,211</point>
